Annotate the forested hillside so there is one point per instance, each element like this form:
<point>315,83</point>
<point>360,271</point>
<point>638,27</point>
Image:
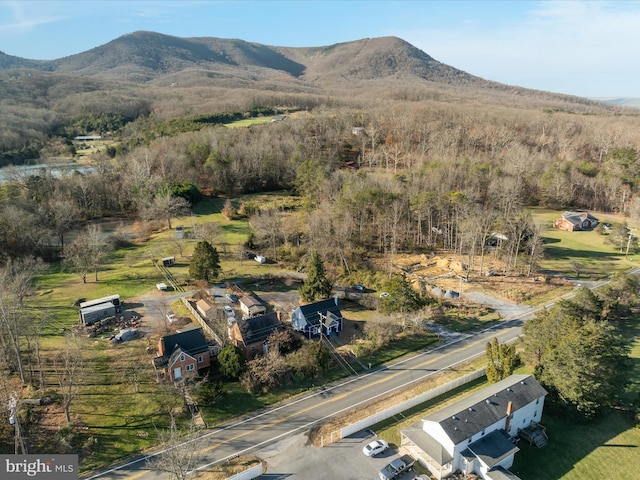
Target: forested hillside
<point>439,156</point>
<point>359,153</point>
<point>155,76</point>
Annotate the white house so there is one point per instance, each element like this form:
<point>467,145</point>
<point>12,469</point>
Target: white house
<point>478,434</point>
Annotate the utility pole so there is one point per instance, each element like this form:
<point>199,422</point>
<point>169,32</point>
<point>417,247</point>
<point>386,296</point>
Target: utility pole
<point>14,419</point>
<point>626,254</point>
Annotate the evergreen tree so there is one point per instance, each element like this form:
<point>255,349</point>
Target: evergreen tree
<point>401,297</point>
<point>578,355</point>
<point>232,363</point>
<point>501,360</point>
<point>205,262</point>
<point>316,286</point>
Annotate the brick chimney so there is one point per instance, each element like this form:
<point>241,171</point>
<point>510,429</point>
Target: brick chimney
<point>508,422</point>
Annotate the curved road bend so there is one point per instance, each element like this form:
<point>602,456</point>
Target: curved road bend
<point>298,415</point>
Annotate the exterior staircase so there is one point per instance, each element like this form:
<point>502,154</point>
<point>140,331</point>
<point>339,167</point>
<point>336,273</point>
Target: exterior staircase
<point>534,434</point>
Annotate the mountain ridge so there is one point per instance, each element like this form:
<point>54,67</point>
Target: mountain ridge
<point>370,66</point>
<point>144,57</point>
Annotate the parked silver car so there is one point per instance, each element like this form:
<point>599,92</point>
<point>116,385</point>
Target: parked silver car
<point>375,448</point>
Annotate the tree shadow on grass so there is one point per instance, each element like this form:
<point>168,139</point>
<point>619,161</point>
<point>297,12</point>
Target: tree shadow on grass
<point>563,253</point>
<point>209,206</point>
<point>575,441</point>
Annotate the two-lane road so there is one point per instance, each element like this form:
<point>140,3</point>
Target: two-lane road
<point>301,413</point>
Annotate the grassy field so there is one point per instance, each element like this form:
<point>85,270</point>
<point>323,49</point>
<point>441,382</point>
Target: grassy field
<point>604,449</point>
<point>588,251</point>
<point>119,420</point>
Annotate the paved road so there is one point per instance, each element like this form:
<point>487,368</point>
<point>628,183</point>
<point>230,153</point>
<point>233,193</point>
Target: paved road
<point>298,415</point>
<point>273,425</point>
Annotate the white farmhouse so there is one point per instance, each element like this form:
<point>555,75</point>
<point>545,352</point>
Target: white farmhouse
<point>478,434</point>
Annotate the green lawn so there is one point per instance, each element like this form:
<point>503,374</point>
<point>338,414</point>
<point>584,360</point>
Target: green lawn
<point>605,449</point>
<point>248,122</point>
<point>122,421</point>
<point>586,253</point>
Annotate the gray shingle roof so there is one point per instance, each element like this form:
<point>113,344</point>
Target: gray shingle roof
<point>476,412</point>
<point>192,341</point>
<point>257,329</point>
<point>310,311</point>
<point>493,448</point>
<point>427,443</point>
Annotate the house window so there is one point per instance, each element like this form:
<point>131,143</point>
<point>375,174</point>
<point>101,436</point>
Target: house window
<point>523,420</point>
<point>182,358</point>
<point>537,401</point>
<point>482,433</point>
<point>200,359</point>
<point>190,367</point>
<point>535,414</point>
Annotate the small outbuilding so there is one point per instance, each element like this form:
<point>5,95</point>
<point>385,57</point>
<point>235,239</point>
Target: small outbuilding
<point>95,313</point>
<point>204,308</point>
<point>251,306</point>
<point>168,261</point>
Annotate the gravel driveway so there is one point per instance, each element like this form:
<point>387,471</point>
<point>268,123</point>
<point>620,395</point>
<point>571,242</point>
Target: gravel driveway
<point>503,307</point>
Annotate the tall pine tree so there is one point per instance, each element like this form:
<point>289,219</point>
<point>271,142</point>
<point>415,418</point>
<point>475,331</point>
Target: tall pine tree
<point>316,286</point>
<point>205,262</point>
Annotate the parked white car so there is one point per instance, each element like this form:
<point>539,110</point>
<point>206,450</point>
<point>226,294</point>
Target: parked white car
<point>229,311</point>
<point>375,448</point>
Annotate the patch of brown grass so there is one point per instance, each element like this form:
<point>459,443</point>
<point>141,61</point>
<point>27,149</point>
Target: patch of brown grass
<point>230,468</point>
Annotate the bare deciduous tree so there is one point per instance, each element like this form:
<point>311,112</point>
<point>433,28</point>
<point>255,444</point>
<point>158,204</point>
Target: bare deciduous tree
<point>181,453</point>
<point>87,252</point>
<point>68,368</point>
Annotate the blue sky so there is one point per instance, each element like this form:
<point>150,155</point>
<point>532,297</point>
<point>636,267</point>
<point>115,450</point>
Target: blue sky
<point>586,48</point>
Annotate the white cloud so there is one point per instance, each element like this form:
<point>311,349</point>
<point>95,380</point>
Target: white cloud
<point>568,44</point>
<point>22,17</point>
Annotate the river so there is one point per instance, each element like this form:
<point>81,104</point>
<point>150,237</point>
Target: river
<point>56,169</point>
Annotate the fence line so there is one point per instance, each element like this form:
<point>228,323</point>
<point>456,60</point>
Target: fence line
<point>253,472</point>
<point>168,276</point>
<point>203,323</point>
<point>401,407</point>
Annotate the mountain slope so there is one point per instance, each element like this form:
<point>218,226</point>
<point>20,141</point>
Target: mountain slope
<point>357,66</point>
<point>147,56</point>
<point>367,59</point>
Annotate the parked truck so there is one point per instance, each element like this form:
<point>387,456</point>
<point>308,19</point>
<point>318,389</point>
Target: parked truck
<point>396,468</point>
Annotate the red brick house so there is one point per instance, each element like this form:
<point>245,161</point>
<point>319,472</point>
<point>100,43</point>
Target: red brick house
<point>250,334</point>
<point>575,221</point>
<point>183,354</point>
